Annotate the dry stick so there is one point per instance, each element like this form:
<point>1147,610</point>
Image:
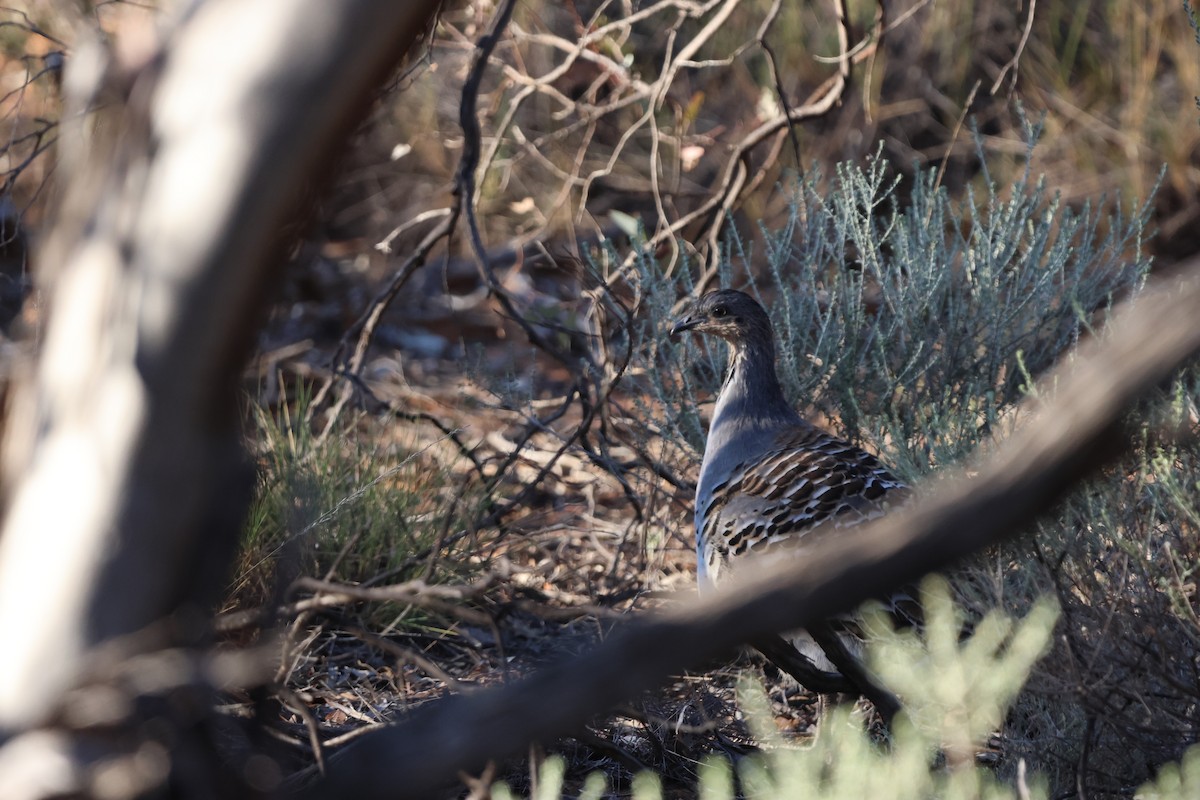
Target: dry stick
<point>608,69</point>
<point>1015,61</point>
<point>28,25</point>
<point>772,62</point>
<point>937,181</point>
<point>444,538</point>
<point>481,787</point>
<point>1073,435</point>
<point>435,597</point>
<point>869,72</point>
<point>406,655</point>
<point>693,46</point>
<point>42,142</point>
<point>646,461</point>
<point>717,208</point>
<point>367,323</point>
<point>452,434</point>
<point>595,410</point>
<point>736,181</point>
<point>465,188</point>
<point>762,174</point>
<point>464,180</point>
<point>165,507</point>
<point>497,515</point>
<point>671,66</point>
<point>601,745</point>
<point>843,29</point>
<point>818,103</point>
<point>293,702</point>
<point>655,103</point>
<point>327,594</point>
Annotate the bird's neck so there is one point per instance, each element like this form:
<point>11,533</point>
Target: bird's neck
<point>752,393</point>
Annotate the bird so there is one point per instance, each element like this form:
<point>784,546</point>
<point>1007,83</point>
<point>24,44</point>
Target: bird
<point>769,479</point>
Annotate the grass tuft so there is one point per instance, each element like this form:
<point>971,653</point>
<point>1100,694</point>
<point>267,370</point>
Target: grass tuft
<point>349,507</point>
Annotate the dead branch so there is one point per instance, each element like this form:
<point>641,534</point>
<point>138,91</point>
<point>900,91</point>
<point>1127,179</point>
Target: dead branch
<point>328,595</point>
<point>464,181</point>
<point>437,597</point>
<point>1071,436</point>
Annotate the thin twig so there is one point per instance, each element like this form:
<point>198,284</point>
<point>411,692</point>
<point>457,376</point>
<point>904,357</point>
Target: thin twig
<point>1015,61</point>
<point>406,655</point>
<point>950,146</point>
<point>293,702</point>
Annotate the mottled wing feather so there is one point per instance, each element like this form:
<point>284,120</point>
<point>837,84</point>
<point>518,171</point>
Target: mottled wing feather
<point>808,480</point>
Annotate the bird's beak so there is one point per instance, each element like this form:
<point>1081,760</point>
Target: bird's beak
<point>683,324</point>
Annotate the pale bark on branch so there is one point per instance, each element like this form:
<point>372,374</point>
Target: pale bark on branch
<point>1076,430</point>
<point>125,478</point>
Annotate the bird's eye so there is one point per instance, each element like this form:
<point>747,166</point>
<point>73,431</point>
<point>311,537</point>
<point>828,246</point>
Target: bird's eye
<point>720,311</point>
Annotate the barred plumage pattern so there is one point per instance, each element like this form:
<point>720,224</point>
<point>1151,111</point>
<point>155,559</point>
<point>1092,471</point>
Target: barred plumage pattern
<point>771,480</point>
<point>807,481</point>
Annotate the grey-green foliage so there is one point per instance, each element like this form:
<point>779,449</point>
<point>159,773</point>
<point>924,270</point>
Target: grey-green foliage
<point>916,323</point>
<point>931,753</point>
<point>957,688</point>
<point>1174,781</point>
<point>1121,696</point>
<point>906,320</point>
<point>341,503</point>
<point>956,691</point>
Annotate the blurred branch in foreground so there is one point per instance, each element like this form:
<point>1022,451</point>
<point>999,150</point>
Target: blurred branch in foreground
<point>126,480</point>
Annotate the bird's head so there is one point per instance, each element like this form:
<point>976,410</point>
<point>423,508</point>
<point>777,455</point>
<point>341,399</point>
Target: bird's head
<point>734,316</point>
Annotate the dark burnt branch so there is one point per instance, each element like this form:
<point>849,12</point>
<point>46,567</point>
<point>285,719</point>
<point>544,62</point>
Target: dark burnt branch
<point>465,182</point>
<point>773,63</point>
<point>848,664</point>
